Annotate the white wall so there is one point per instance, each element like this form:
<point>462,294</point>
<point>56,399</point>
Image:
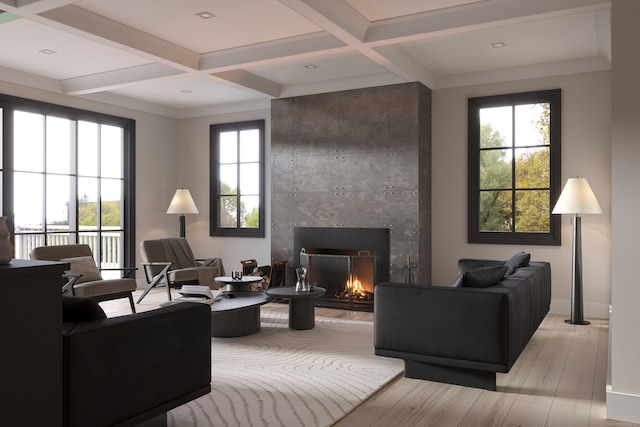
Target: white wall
<point>623,395</point>
<point>193,173</point>
<point>586,127</point>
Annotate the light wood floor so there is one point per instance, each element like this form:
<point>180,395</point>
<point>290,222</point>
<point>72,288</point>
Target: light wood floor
<point>558,380</point>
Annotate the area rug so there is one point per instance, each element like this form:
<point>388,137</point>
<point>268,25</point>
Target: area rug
<point>284,377</point>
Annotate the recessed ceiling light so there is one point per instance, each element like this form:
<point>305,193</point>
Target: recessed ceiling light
<point>185,91</point>
<point>311,66</point>
<point>499,44</point>
<point>205,15</point>
<point>48,51</point>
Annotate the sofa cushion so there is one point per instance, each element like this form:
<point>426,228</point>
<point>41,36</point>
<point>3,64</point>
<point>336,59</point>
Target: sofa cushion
<point>84,265</point>
<point>521,259</point>
<point>483,277</point>
<point>79,309</point>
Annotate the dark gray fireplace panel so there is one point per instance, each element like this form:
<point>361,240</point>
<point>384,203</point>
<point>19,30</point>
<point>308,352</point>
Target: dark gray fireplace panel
<point>376,240</point>
<point>354,159</point>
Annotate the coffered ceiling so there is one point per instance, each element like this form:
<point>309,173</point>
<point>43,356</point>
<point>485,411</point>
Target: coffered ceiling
<point>160,56</point>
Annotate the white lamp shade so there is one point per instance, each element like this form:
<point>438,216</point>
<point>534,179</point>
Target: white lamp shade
<point>577,198</point>
<point>182,203</point>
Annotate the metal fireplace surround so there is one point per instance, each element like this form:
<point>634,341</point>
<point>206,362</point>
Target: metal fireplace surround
<point>340,252</point>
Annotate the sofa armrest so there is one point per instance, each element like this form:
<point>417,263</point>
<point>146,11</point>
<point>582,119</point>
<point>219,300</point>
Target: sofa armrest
<point>147,363</point>
<point>435,324</point>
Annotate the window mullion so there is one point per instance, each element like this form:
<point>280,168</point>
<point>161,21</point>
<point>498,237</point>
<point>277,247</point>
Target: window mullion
<point>238,209</point>
<point>513,169</point>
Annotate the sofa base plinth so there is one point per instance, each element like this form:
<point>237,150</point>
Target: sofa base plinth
<point>159,421</point>
<point>450,375</point>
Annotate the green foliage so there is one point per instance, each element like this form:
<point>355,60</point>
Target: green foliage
<point>229,210</point>
<point>532,180</point>
<point>495,173</point>
<point>252,220</point>
<point>88,212</point>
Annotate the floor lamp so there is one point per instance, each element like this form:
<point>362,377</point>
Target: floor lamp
<point>182,203</point>
<point>577,198</point>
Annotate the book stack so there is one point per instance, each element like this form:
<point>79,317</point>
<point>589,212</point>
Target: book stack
<point>202,294</point>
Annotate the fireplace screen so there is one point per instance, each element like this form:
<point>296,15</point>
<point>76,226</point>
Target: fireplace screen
<point>347,275</point>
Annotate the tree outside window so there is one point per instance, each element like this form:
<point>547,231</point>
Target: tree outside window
<point>237,179</point>
<point>514,168</point>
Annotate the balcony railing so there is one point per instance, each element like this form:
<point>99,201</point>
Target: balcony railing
<point>108,241</point>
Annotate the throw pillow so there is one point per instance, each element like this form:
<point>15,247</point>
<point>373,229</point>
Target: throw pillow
<point>84,265</point>
<point>520,259</point>
<point>458,282</point>
<point>483,277</point>
<point>80,309</point>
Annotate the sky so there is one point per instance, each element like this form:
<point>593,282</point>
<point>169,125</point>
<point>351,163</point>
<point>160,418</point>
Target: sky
<point>30,133</point>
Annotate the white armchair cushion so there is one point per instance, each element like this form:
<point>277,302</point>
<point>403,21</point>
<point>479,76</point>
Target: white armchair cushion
<point>84,265</point>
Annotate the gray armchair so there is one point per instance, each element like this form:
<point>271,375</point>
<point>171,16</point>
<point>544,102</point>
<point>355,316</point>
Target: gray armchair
<point>171,261</point>
<point>85,279</point>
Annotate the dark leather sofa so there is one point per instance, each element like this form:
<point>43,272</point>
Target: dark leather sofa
<point>130,370</point>
<point>462,335</point>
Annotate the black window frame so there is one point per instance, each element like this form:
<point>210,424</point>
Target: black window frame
<point>553,237</point>
<point>9,104</point>
<point>214,183</point>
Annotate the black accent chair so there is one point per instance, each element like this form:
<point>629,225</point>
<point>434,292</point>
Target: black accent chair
<point>129,370</point>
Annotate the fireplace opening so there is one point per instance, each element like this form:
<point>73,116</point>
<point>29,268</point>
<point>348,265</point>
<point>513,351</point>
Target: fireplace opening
<point>348,262</point>
<point>347,275</point>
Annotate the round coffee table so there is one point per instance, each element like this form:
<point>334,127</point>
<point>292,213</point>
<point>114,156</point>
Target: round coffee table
<point>241,284</point>
<point>237,314</point>
<point>301,306</point>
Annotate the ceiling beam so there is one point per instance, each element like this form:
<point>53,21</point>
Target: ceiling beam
<point>271,52</point>
<point>87,24</point>
<point>472,17</point>
<point>244,80</point>
<point>336,17</point>
<point>26,8</point>
<point>404,65</point>
<point>339,19</point>
<point>118,78</point>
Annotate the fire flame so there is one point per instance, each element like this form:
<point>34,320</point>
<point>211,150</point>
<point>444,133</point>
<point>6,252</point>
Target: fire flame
<point>354,289</point>
<point>355,286</point>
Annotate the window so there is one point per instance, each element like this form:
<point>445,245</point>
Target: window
<point>237,179</point>
<point>68,178</point>
<point>514,168</point>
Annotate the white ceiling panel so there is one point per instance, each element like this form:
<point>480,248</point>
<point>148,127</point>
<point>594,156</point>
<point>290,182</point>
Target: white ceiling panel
<point>236,22</point>
<point>23,39</point>
<point>256,50</point>
<point>186,92</point>
<point>328,67</point>
<point>538,41</point>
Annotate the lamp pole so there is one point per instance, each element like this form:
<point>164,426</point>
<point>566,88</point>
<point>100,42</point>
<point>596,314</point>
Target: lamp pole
<point>577,317</point>
<point>183,228</point>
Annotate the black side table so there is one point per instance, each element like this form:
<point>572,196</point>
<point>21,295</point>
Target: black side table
<point>241,284</point>
<point>301,306</point>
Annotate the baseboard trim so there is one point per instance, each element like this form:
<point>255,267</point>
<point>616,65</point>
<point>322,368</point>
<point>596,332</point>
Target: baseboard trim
<point>623,407</point>
<point>592,310</point>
